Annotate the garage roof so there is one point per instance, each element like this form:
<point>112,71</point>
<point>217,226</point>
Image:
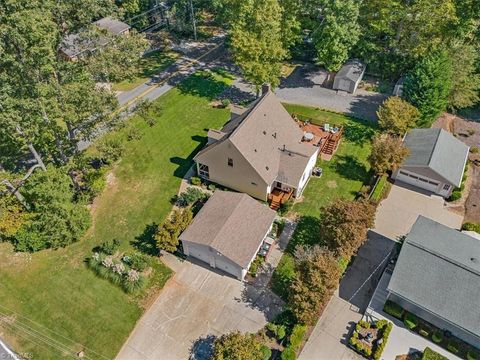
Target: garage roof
<point>437,150</point>
<point>352,70</point>
<point>439,270</point>
<point>234,224</point>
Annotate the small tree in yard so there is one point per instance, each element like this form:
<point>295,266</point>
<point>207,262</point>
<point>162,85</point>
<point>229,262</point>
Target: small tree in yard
<point>344,225</point>
<point>396,116</point>
<point>317,277</point>
<point>237,346</point>
<point>170,230</point>
<point>387,153</point>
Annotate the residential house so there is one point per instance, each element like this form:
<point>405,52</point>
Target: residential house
<point>436,161</point>
<point>349,76</point>
<point>437,278</point>
<point>228,232</point>
<point>259,152</point>
<point>75,45</point>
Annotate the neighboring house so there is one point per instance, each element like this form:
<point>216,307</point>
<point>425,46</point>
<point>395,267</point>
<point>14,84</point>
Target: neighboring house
<point>349,76</point>
<point>259,151</point>
<point>74,45</point>
<point>436,161</point>
<point>437,278</point>
<point>228,232</point>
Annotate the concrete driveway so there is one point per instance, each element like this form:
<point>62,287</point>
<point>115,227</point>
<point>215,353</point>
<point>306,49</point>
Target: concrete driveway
<point>397,213</point>
<point>329,337</point>
<point>195,306</point>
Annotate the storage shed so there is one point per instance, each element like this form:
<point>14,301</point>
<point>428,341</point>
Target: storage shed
<point>349,76</point>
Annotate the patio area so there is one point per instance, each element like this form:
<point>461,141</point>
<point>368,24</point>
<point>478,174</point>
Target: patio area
<point>327,137</point>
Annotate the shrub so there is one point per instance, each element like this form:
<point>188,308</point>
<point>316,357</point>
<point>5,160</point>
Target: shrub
<point>411,321</point>
<point>109,247</point>
<point>387,328</point>
<point>136,261</point>
<point>133,282</point>
<point>133,133</point>
<point>111,149</point>
<point>226,103</point>
<point>259,260</point>
<point>423,333</point>
<point>151,121</point>
<point>453,346</point>
<point>95,182</point>
<point>281,332</point>
<point>429,354</point>
<point>471,227</point>
<point>472,355</point>
<point>437,337</point>
<point>474,150</point>
<point>283,276</point>
<point>363,324</point>
<point>456,195</point>
<point>296,337</point>
<point>285,208</point>
<point>211,187</point>
<point>288,354</point>
<point>190,196</point>
<point>195,180</point>
<point>393,309</point>
<point>470,132</point>
<point>266,352</point>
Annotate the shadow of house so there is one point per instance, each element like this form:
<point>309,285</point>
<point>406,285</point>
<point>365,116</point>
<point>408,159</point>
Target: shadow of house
<point>202,348</point>
<point>362,277</point>
<point>184,164</point>
<point>348,167</point>
<point>145,242</point>
<point>348,332</point>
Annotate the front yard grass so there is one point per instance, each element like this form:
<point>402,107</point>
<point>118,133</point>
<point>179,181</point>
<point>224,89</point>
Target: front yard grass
<point>53,292</point>
<point>148,66</point>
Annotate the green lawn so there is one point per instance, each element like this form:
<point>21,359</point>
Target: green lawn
<point>343,177</point>
<point>149,65</point>
<point>53,292</point>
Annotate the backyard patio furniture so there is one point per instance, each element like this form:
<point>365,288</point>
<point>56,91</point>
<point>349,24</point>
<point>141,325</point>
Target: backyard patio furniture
<point>317,171</point>
<point>308,136</point>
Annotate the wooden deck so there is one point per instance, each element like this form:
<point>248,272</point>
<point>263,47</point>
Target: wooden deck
<point>278,197</point>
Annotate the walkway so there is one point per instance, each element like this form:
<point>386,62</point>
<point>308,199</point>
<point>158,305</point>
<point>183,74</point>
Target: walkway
<point>401,340</point>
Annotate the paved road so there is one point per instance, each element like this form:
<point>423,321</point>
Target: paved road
<point>6,353</point>
<point>306,86</point>
<point>329,337</point>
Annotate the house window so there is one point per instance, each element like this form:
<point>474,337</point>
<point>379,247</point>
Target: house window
<point>446,187</point>
<point>254,183</point>
<point>230,162</point>
<point>203,171</point>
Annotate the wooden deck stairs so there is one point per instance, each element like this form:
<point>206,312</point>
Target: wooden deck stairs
<point>279,197</point>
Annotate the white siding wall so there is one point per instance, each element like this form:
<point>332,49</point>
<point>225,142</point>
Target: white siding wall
<point>423,182</point>
<point>306,175</point>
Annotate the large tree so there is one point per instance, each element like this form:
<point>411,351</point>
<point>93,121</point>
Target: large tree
<point>237,346</point>
<point>317,277</point>
<point>396,116</point>
<point>344,225</point>
<point>387,153</point>
<point>257,41</point>
<point>428,86</point>
<point>337,32</point>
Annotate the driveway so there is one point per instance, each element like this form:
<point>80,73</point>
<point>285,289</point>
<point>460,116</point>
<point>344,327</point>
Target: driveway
<point>6,353</point>
<point>306,86</point>
<point>195,306</point>
<point>329,337</point>
<point>397,213</point>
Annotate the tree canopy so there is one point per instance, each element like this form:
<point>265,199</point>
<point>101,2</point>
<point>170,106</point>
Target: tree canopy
<point>237,346</point>
<point>396,115</point>
<point>388,152</point>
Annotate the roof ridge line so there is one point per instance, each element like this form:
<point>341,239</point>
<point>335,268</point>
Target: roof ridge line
<point>434,147</point>
<point>249,113</point>
<point>242,197</point>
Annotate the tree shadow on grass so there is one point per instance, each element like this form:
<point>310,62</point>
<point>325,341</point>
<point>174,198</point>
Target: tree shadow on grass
<point>359,132</point>
<point>145,242</point>
<point>184,164</point>
<point>202,348</point>
<point>348,167</point>
<point>306,233</point>
<point>202,84</point>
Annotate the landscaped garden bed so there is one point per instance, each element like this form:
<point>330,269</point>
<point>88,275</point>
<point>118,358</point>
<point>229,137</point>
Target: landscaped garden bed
<point>440,337</point>
<point>370,339</point>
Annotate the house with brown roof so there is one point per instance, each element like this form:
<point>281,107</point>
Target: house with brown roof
<point>259,152</point>
<point>228,232</point>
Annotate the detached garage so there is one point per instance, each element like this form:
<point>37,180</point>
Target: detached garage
<point>436,161</point>
<point>228,232</point>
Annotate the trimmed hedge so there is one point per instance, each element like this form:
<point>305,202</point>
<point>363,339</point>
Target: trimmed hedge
<point>437,337</point>
<point>453,346</point>
<point>295,341</point>
<point>429,354</point>
<point>385,327</point>
<point>393,309</point>
<point>473,355</point>
<point>411,321</point>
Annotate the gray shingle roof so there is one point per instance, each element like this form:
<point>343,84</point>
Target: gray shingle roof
<point>261,134</point>
<point>234,224</point>
<point>439,270</point>
<point>437,150</point>
<point>352,70</point>
<point>113,25</point>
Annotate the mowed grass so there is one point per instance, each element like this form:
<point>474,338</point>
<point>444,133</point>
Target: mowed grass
<point>148,66</point>
<point>344,175</point>
<point>52,293</point>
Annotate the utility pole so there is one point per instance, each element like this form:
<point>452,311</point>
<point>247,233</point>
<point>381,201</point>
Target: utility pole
<point>193,20</point>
